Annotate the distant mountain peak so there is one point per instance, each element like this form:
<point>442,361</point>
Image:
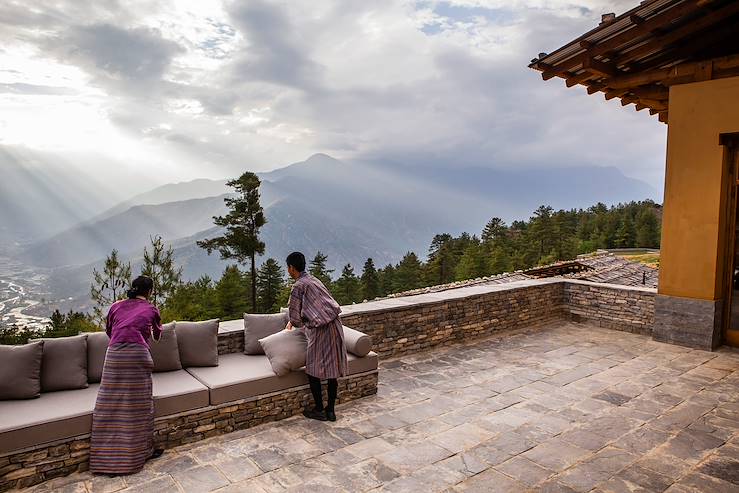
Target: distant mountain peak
<point>319,156</point>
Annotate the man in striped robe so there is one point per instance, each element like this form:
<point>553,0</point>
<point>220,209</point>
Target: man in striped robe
<point>312,307</point>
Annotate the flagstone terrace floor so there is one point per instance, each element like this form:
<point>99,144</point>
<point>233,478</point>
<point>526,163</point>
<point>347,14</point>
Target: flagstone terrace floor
<point>568,407</point>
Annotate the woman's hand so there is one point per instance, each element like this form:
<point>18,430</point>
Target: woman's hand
<point>289,326</point>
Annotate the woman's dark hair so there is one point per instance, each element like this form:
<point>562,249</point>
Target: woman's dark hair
<point>297,260</point>
<point>140,286</point>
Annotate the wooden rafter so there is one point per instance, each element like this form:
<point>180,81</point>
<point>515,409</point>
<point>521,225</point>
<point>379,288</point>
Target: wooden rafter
<point>687,72</point>
<point>686,30</point>
<point>645,28</point>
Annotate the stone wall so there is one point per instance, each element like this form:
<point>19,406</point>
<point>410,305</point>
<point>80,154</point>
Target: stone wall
<point>35,465</point>
<point>614,307</point>
<point>418,327</point>
<point>438,319</point>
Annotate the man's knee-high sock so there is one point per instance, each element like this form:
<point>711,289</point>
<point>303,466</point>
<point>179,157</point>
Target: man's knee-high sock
<point>333,386</point>
<point>315,389</point>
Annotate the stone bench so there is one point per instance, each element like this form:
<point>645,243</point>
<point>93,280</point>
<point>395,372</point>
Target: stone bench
<point>49,436</point>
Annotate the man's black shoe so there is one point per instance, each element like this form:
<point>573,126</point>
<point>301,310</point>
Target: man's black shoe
<point>314,414</point>
<point>156,453</point>
<point>330,415</point>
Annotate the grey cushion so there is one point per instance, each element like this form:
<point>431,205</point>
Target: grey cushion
<point>97,346</point>
<point>64,364</point>
<point>165,352</point>
<point>240,376</point>
<point>176,392</point>
<point>285,350</point>
<point>357,343</point>
<point>68,413</point>
<point>260,326</point>
<point>355,364</point>
<point>198,343</point>
<point>53,416</point>
<point>20,371</point>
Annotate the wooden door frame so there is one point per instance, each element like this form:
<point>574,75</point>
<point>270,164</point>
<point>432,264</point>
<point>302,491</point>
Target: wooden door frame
<point>730,143</point>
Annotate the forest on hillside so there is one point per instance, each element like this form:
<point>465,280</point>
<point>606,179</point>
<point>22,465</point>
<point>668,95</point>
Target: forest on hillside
<point>546,237</point>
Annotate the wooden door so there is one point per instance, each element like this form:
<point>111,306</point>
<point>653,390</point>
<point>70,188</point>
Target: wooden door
<point>731,277</point>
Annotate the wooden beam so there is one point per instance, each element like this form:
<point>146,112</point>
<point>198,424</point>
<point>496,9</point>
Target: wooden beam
<point>662,116</point>
<point>615,93</point>
<point>592,89</point>
<point>655,104</point>
<point>679,74</point>
<point>651,92</point>
<point>686,49</point>
<point>636,19</point>
<point>660,42</point>
<point>600,68</point>
<point>641,106</point>
<point>578,79</point>
<point>662,19</point>
<point>628,100</point>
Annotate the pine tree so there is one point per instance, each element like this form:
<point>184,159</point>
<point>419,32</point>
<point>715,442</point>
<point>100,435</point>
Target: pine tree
<point>109,286</point>
<point>499,261</point>
<point>347,289</point>
<point>318,269</point>
<point>647,229</point>
<point>243,222</point>
<point>408,273</point>
<point>231,293</point>
<point>626,234</point>
<point>194,300</point>
<point>283,299</point>
<point>270,282</point>
<point>160,266</point>
<point>494,230</point>
<point>473,263</point>
<point>387,280</point>
<point>370,281</point>
<point>442,261</point>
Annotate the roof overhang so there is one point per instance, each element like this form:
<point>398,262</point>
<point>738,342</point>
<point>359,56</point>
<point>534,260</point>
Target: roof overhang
<point>638,55</point>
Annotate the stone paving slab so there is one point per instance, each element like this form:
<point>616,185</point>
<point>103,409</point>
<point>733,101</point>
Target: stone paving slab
<point>566,408</point>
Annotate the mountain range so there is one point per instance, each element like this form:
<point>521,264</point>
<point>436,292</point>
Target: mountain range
<point>348,210</point>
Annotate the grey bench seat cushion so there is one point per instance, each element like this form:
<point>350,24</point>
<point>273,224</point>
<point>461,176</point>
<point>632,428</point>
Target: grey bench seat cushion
<point>68,413</point>
<point>177,392</point>
<point>53,416</point>
<point>240,376</point>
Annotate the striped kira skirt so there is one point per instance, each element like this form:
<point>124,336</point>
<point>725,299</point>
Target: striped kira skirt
<point>123,420</point>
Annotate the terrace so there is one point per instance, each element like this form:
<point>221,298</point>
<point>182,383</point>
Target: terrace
<point>491,388</point>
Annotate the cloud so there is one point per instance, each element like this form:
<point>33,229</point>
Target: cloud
<point>218,86</point>
<point>139,53</point>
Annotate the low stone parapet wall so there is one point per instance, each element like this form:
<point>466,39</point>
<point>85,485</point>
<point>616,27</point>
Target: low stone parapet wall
<point>626,308</point>
<point>417,323</point>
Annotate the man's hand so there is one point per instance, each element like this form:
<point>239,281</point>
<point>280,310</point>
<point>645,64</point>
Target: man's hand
<point>289,326</point>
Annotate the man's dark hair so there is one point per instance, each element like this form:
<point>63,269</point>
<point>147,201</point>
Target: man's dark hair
<point>297,260</point>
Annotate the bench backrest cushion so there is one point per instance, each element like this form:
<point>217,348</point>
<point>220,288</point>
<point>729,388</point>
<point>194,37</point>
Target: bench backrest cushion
<point>198,343</point>
<point>259,326</point>
<point>165,352</point>
<point>97,346</point>
<point>285,350</point>
<point>64,363</point>
<point>20,371</point>
<point>357,343</point>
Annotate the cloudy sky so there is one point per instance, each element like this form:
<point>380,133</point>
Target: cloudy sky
<point>174,90</point>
